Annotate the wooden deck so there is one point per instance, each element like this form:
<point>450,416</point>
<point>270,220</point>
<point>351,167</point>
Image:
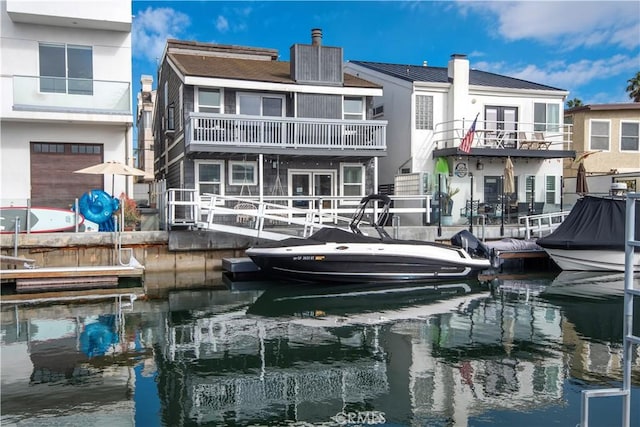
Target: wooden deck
<point>67,278</point>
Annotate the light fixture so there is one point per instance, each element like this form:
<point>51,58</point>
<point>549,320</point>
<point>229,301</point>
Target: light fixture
<point>479,165</point>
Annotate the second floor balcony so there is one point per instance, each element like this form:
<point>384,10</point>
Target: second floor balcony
<point>58,94</point>
<point>225,132</point>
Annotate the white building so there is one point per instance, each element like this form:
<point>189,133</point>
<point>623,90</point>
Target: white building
<point>66,98</point>
<point>429,111</point>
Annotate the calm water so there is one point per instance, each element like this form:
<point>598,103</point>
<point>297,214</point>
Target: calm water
<point>515,354</point>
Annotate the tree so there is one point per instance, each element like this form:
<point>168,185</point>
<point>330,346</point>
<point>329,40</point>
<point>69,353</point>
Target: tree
<point>634,87</point>
<point>575,102</point>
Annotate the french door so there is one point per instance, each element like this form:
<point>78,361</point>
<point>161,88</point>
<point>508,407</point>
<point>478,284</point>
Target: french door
<point>504,121</point>
<point>312,184</point>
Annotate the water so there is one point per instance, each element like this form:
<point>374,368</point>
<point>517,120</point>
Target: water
<point>461,354</point>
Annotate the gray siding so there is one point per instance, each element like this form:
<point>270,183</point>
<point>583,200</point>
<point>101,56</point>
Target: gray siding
<point>319,106</point>
<point>317,64</point>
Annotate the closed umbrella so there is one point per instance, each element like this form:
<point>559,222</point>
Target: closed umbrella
<point>112,168</point>
<point>581,180</point>
<point>509,181</point>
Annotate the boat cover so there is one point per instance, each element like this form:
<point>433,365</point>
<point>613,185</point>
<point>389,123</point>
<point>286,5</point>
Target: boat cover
<point>593,223</point>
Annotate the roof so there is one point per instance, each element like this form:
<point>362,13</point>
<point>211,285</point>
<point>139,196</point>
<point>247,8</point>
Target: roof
<point>605,107</point>
<point>419,73</point>
<point>193,64</point>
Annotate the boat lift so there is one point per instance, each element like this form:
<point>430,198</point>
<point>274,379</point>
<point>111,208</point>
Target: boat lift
<point>629,339</point>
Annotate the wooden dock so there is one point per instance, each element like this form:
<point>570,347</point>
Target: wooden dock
<point>68,278</point>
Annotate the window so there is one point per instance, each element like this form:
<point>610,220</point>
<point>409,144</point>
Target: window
<point>209,100</point>
<point>353,108</point>
<point>424,112</point>
<point>551,189</point>
<point>260,105</point>
<point>378,111</point>
<point>48,148</point>
<point>530,186</point>
<point>66,69</point>
<point>146,118</point>
<point>629,133</point>
<point>352,182</point>
<point>599,139</point>
<point>210,177</point>
<point>85,149</point>
<point>546,117</point>
<point>243,173</point>
<point>171,119</point>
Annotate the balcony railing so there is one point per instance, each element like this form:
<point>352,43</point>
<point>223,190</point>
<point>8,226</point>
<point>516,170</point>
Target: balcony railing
<point>71,95</point>
<point>519,135</point>
<point>286,132</point>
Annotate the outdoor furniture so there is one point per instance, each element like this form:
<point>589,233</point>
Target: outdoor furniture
<point>542,143</point>
<point>471,207</point>
<point>525,142</point>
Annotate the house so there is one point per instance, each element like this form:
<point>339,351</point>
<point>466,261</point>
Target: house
<point>144,124</point>
<point>236,121</point>
<point>606,138</point>
<point>431,109</point>
<point>66,103</point>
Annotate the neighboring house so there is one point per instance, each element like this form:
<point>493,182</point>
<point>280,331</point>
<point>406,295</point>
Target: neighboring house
<point>66,98</point>
<point>144,125</point>
<point>430,109</point>
<point>233,120</point>
<point>611,132</point>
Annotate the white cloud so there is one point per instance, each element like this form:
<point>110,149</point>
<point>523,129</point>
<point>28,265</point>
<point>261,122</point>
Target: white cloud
<point>151,29</point>
<point>222,24</point>
<point>564,23</point>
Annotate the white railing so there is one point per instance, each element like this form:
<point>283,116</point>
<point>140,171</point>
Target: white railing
<point>285,215</point>
<point>286,132</point>
<point>540,224</point>
<point>489,134</point>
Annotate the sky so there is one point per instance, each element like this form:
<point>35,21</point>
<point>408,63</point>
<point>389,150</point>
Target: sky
<point>589,48</point>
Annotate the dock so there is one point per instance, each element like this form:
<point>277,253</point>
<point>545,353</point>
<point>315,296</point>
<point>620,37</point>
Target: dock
<point>68,278</point>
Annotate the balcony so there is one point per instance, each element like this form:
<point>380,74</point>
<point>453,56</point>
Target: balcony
<point>224,132</point>
<point>52,94</point>
<point>516,139</point>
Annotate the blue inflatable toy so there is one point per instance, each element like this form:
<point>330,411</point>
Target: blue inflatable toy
<point>99,207</point>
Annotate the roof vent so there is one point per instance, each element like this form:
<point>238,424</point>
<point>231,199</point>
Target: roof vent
<point>316,37</point>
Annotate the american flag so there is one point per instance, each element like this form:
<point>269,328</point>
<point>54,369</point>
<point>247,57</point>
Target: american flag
<point>465,144</point>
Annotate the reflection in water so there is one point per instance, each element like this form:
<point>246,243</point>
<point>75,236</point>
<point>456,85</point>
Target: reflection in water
<point>453,354</point>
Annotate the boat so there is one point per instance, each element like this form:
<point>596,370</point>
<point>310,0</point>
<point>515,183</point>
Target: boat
<point>592,236</point>
<point>40,219</point>
<point>349,256</point>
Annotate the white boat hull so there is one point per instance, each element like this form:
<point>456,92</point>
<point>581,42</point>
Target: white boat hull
<point>591,260</point>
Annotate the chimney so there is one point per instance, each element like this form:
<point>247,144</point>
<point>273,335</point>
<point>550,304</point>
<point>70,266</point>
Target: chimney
<point>316,37</point>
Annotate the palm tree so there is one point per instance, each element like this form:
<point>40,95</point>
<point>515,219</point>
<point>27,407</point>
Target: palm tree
<point>634,87</point>
<point>575,102</point>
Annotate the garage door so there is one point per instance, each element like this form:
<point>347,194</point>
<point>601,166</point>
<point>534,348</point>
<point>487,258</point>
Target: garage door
<point>53,182</point>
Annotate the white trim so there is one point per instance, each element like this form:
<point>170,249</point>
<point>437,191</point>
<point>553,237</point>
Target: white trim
<point>280,87</point>
<point>253,163</point>
<point>590,134</point>
<point>636,122</point>
<point>196,170</point>
<point>342,184</point>
<point>196,100</point>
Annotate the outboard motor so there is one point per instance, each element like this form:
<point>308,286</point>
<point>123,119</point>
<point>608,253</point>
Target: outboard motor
<point>464,239</point>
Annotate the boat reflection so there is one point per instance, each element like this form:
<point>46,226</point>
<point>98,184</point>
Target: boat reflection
<point>305,301</point>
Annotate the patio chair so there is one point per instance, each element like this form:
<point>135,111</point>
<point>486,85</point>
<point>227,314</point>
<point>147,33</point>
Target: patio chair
<point>525,142</point>
<point>541,141</point>
<point>471,207</point>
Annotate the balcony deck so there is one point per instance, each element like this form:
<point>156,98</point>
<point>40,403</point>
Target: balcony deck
<point>239,133</point>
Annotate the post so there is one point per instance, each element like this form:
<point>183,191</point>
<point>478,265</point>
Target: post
<point>471,205</point>
<point>439,204</point>
<point>503,205</point>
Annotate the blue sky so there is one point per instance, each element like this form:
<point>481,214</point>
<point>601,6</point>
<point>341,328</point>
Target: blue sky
<point>590,48</point>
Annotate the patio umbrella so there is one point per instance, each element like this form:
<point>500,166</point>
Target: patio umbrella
<point>112,168</point>
<point>581,180</point>
<point>509,181</point>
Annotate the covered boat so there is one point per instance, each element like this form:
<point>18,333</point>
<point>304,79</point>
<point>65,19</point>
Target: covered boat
<point>592,236</point>
<point>349,256</point>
